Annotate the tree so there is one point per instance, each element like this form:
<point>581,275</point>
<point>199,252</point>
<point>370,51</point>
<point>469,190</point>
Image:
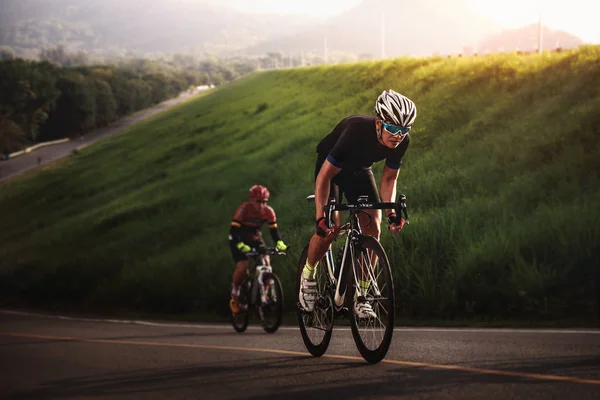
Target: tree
<point>7,53</point>
<point>11,136</point>
<point>27,94</point>
<point>75,110</point>
<point>106,105</point>
<point>59,56</point>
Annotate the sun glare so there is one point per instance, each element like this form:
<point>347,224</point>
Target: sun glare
<point>577,17</point>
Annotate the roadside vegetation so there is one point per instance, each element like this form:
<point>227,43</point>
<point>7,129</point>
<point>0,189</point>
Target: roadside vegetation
<point>501,178</point>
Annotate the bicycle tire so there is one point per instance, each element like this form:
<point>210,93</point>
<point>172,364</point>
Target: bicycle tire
<point>322,315</point>
<point>373,353</point>
<point>240,320</point>
<point>276,308</point>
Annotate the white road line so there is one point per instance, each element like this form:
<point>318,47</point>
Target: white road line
<point>295,328</point>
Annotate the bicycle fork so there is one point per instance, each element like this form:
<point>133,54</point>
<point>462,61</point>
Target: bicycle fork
<point>340,274</point>
<point>259,285</point>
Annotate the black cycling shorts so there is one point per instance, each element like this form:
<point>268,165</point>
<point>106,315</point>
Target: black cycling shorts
<point>238,255</point>
<point>351,183</point>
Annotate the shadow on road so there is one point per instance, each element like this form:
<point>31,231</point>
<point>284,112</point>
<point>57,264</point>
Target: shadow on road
<point>298,377</point>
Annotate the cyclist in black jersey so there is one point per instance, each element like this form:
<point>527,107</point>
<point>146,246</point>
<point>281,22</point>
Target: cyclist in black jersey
<point>344,160</point>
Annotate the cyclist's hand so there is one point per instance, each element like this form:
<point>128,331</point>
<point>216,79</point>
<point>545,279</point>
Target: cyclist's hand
<point>243,247</point>
<point>396,224</point>
<point>322,229</point>
<point>281,246</point>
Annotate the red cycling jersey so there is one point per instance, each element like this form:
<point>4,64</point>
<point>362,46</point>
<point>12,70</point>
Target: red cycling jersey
<point>247,221</point>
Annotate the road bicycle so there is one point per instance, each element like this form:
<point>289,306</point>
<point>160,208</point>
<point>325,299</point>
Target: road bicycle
<point>260,294</point>
<point>361,271</point>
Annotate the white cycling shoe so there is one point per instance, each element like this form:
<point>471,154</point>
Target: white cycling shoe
<point>363,310</point>
<point>308,294</point>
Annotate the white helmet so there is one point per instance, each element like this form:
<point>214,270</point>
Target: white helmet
<point>396,108</point>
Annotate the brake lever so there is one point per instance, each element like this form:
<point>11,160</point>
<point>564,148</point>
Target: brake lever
<point>329,210</point>
<point>403,210</point>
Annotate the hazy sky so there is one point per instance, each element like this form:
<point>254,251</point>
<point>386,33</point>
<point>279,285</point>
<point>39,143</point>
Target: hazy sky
<point>578,17</point>
<point>316,8</point>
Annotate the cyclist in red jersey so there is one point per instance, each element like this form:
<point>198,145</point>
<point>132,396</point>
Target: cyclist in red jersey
<point>344,161</point>
<point>245,233</point>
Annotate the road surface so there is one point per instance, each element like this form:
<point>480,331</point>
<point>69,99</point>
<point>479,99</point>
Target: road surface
<point>48,357</point>
<point>20,164</point>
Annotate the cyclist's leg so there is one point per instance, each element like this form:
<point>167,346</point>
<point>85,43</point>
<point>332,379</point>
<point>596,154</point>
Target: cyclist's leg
<point>364,184</point>
<point>317,248</point>
<point>238,275</point>
<point>241,265</point>
<point>318,245</point>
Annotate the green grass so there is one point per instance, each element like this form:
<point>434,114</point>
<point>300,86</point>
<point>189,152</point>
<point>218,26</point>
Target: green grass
<point>501,178</point>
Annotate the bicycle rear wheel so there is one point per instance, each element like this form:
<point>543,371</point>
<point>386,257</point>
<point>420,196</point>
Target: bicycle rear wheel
<point>316,326</point>
<point>240,320</point>
<point>271,312</point>
<point>370,264</point>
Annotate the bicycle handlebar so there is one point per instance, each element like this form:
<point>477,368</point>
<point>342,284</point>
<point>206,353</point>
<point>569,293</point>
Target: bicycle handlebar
<point>264,251</point>
<point>363,204</point>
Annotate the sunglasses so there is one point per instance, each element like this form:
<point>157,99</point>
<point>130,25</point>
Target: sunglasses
<point>395,129</point>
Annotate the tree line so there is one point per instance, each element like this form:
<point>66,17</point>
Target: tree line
<point>63,94</point>
<point>41,101</point>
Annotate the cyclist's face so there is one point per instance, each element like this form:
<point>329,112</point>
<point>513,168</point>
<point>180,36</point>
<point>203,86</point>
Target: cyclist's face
<point>258,204</point>
<point>389,140</point>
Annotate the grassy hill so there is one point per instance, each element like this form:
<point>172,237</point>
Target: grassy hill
<point>501,178</point>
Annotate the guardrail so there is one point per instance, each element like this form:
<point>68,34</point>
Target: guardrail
<point>37,146</point>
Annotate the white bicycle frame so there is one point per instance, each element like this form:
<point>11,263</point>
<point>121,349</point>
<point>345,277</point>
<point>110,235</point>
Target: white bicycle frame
<point>339,295</point>
<point>352,229</point>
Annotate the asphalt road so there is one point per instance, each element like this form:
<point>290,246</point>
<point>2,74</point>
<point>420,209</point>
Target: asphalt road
<point>48,357</point>
<point>20,164</point>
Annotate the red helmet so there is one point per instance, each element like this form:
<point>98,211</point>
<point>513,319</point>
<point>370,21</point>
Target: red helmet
<point>258,192</point>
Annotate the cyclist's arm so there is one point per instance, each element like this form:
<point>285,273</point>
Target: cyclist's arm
<point>388,185</point>
<point>272,225</point>
<point>275,234</point>
<point>322,185</point>
<point>235,228</point>
<point>235,232</point>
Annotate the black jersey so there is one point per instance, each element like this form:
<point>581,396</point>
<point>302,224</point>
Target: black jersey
<point>353,145</point>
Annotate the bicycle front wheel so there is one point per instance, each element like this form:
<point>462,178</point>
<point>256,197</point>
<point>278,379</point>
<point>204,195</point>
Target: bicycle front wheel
<point>371,282</point>
<point>271,312</point>
<point>316,326</point>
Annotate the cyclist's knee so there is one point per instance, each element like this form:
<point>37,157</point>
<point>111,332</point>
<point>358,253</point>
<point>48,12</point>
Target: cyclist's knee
<point>372,230</point>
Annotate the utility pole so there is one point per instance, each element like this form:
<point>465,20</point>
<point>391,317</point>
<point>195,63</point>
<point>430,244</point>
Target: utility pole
<point>325,47</point>
<point>540,30</point>
<point>382,29</point>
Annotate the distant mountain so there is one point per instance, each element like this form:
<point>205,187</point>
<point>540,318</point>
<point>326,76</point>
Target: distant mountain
<point>138,25</point>
<point>526,39</point>
<point>411,27</point>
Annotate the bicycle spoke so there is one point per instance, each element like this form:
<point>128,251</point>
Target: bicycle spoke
<point>316,326</point>
<point>372,284</point>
